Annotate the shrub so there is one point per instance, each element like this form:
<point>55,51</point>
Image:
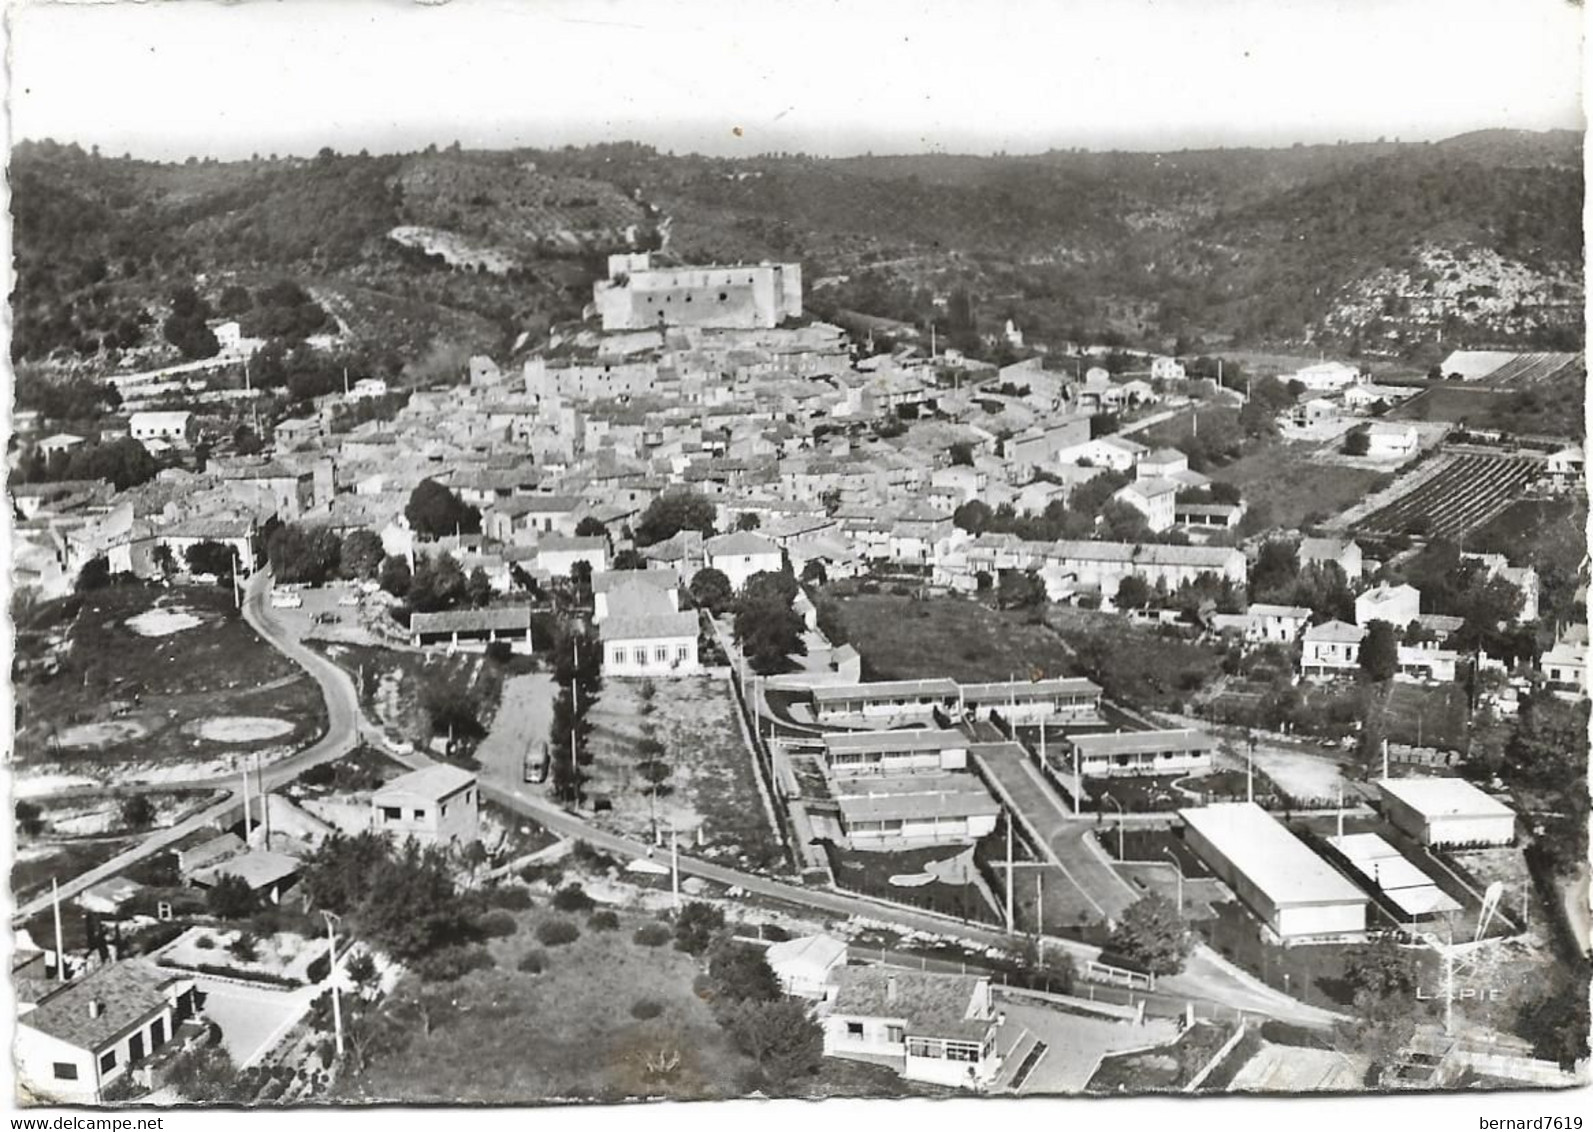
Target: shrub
<point>322,774</point>
<point>696,926</point>
<point>204,943</point>
<point>775,933</point>
<point>245,948</point>
<point>652,935</point>
<point>550,874</point>
<point>509,896</point>
<point>555,933</point>
<point>533,962</point>
<point>603,921</point>
<point>497,924</point>
<point>319,968</point>
<point>572,898</point>
<point>644,1008</point>
<point>500,652</point>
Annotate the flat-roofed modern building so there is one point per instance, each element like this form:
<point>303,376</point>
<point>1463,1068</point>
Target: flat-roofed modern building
<point>1105,755</point>
<point>1446,811</point>
<point>1294,892</point>
<point>895,752</point>
<point>915,809</point>
<point>884,699</point>
<point>1031,701</point>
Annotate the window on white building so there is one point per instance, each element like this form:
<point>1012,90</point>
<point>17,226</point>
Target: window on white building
<point>854,1029</point>
<point>65,1071</point>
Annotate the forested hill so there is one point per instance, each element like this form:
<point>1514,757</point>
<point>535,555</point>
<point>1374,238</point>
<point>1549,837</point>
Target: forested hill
<point>1376,246</point>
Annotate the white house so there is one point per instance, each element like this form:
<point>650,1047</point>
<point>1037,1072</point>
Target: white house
<point>1326,376</point>
<point>650,644</point>
<point>1331,649</point>
<point>52,446</point>
<point>174,427</point>
<point>558,554</point>
<point>1564,667</point>
<point>806,965</point>
<point>1113,452</point>
<point>742,554</point>
<point>439,805</point>
<point>76,1040</point>
<point>937,1028</point>
<point>1398,605</point>
<point>1278,623</point>
<point>1564,470</point>
<point>1389,440</point>
<point>1153,498</point>
<point>1167,369</point>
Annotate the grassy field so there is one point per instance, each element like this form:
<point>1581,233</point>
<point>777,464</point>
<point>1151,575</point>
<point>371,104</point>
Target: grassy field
<point>122,698</point>
<point>1134,665</point>
<point>712,785</point>
<point>1296,490</point>
<point>901,638</point>
<point>1514,530</point>
<point>1553,408</point>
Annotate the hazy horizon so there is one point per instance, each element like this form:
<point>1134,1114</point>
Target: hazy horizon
<point>895,77</point>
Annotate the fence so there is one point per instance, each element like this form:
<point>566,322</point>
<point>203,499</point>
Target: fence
<point>1100,972</point>
<point>1217,1058</point>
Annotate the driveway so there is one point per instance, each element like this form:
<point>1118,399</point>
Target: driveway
<point>252,1019</point>
<point>524,719</point>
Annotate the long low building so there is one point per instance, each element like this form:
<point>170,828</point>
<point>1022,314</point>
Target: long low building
<point>883,699</point>
<point>1446,811</point>
<point>1031,701</point>
<point>1294,892</point>
<point>1109,754</point>
<point>916,809</point>
<point>455,627</point>
<point>895,752</point>
<point>1382,866</point>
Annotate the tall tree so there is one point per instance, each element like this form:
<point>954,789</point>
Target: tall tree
<point>669,514</point>
<point>436,512</point>
<point>1380,652</point>
<point>1152,935</point>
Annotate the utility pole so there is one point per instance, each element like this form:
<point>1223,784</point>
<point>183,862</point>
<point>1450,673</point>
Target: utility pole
<point>331,959</point>
<point>1385,758</point>
<point>60,950</point>
<point>1341,813</point>
<point>1010,920</point>
<point>246,808</point>
<point>1039,913</point>
<point>674,864</point>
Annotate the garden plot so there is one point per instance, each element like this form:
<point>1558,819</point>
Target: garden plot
<point>241,728</point>
<point>1301,774</point>
<point>711,795</point>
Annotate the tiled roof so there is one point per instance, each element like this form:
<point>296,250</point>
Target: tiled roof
<point>128,993</point>
<point>648,626</point>
<point>933,1005</point>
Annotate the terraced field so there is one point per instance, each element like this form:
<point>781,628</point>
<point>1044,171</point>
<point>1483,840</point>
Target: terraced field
<point>1465,493</point>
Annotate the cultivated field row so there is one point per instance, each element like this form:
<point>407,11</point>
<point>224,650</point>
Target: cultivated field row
<point>1467,492</point>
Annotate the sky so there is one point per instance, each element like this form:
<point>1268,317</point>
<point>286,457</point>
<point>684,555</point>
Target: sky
<point>170,78</point>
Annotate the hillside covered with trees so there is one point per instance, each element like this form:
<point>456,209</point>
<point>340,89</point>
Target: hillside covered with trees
<point>480,251</point>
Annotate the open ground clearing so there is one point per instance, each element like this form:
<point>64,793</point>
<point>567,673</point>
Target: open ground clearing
<point>125,706</point>
<point>569,1032</point>
<point>712,785</point>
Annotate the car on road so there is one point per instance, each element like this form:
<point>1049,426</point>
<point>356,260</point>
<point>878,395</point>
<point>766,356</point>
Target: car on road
<point>286,599</point>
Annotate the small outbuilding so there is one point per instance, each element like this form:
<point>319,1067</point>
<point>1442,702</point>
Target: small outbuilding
<point>1446,811</point>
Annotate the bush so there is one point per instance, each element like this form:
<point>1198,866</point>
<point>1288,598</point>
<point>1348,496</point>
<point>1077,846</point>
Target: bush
<point>549,874</point>
<point>652,935</point>
<point>572,898</point>
<point>555,933</point>
<point>644,1008</point>
<point>696,926</point>
<point>500,652</point>
<point>603,921</point>
<point>497,924</point>
<point>509,896</point>
<point>245,948</point>
<point>532,962</point>
<point>204,943</point>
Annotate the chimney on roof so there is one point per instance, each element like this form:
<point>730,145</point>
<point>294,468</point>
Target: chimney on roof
<point>95,1008</point>
<point>891,993</point>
